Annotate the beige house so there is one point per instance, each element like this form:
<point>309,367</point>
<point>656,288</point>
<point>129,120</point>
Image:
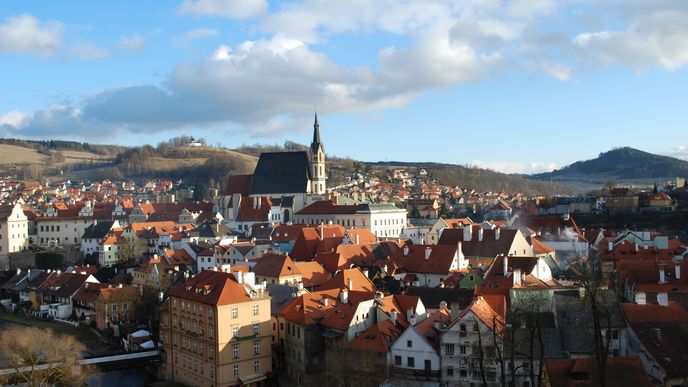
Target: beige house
<point>216,331</point>
<point>277,269</point>
<point>14,232</point>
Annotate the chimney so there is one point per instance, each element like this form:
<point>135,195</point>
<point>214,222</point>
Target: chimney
<point>428,251</point>
<point>641,298</point>
<point>406,251</point>
<point>610,246</point>
<point>480,234</point>
<point>326,301</point>
<point>662,276</point>
<point>350,284</point>
<point>467,233</point>
<point>255,203</point>
<point>677,271</point>
<point>239,275</point>
<point>409,314</point>
<point>517,277</point>
<point>455,310</point>
<point>505,267</point>
<point>358,239</point>
<point>322,231</point>
<point>497,233</point>
<point>344,296</point>
<point>663,299</point>
<point>393,317</point>
<point>298,286</point>
<point>412,320</point>
<point>18,271</point>
<point>637,248</point>
<point>119,286</point>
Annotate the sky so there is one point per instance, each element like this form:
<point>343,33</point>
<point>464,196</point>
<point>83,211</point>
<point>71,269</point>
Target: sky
<point>518,86</point>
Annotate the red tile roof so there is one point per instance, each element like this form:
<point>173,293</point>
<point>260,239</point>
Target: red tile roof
<point>275,266</point>
<point>579,372</point>
<point>212,288</point>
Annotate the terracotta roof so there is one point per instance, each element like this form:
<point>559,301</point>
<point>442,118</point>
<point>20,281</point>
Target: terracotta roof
<point>308,242</point>
<point>89,292</point>
<point>178,257</point>
<point>649,313</point>
<point>427,328</point>
<point>254,212</point>
<point>117,294</point>
<point>540,247</point>
<point>276,266</point>
<point>490,246</point>
<point>489,309</point>
<point>579,372</point>
<point>412,258</point>
<point>358,281</point>
<point>312,273</point>
<point>378,338</point>
<point>211,287</point>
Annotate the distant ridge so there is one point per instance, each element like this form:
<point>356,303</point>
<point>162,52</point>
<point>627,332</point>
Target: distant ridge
<point>622,165</point>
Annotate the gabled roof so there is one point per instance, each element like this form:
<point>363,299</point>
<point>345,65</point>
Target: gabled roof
<point>358,280</point>
<point>579,372</point>
<point>275,266</point>
<point>312,274</point>
<point>254,210</point>
<point>439,261</point>
<point>378,338</point>
<point>490,246</point>
<point>281,172</point>
<point>212,288</point>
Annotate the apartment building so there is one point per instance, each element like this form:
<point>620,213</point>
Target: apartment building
<point>216,331</point>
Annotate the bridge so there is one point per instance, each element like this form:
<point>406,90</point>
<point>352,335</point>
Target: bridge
<point>101,361</point>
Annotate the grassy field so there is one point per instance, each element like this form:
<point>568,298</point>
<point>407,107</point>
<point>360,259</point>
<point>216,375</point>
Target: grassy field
<point>10,154</point>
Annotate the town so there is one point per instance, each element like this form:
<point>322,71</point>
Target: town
<point>389,279</point>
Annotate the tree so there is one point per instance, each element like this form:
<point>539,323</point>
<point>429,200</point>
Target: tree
<point>132,249</point>
<point>40,357</point>
<point>147,310</point>
<point>596,296</point>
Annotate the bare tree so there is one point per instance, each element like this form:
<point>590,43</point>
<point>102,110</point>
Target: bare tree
<point>40,357</point>
<point>596,298</point>
<point>132,249</point>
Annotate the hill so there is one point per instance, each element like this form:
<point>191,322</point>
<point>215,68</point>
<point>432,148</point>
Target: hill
<point>482,179</point>
<point>622,165</point>
<point>174,160</point>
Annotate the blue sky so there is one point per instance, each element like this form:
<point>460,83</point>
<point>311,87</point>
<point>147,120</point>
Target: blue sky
<point>517,86</point>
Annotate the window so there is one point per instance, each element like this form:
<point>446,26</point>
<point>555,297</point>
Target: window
<point>235,312</point>
<point>409,344</point>
<point>256,347</point>
<point>462,349</point>
<point>411,361</point>
<point>256,329</point>
<point>615,334</point>
<point>449,349</point>
<point>114,307</point>
<point>235,351</point>
<point>462,327</point>
<point>450,371</point>
<point>235,332</point>
<point>256,366</point>
<point>463,373</point>
<point>255,310</point>
<point>397,361</point>
<point>475,327</point>
<point>235,370</point>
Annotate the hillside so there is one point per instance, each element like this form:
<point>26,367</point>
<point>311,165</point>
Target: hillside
<point>622,165</point>
<point>483,179</point>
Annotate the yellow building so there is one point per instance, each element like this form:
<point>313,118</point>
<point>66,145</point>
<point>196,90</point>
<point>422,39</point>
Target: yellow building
<point>216,331</point>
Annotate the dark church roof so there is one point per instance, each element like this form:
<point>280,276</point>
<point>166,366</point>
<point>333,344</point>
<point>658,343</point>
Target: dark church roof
<point>281,172</point>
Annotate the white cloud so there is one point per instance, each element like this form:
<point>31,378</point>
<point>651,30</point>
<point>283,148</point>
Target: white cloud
<point>233,9</point>
<point>15,119</point>
<point>652,36</point>
<point>197,34</point>
<point>516,167</point>
<point>680,152</point>
<point>131,43</point>
<point>26,34</point>
<point>88,51</point>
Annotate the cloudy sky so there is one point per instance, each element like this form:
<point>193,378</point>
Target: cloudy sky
<point>517,86</point>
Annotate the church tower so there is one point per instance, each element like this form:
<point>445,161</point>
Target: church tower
<point>318,180</point>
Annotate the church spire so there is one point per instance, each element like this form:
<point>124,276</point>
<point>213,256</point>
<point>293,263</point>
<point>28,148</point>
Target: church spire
<point>316,135</point>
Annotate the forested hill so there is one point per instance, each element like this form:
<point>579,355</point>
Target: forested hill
<point>620,165</point>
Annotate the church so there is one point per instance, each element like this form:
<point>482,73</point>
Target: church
<point>281,184</point>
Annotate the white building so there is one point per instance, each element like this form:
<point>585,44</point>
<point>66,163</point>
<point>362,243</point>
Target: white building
<point>383,220</point>
<point>14,232</point>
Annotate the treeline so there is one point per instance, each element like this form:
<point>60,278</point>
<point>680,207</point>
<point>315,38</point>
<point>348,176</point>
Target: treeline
<point>257,149</point>
<point>45,146</point>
